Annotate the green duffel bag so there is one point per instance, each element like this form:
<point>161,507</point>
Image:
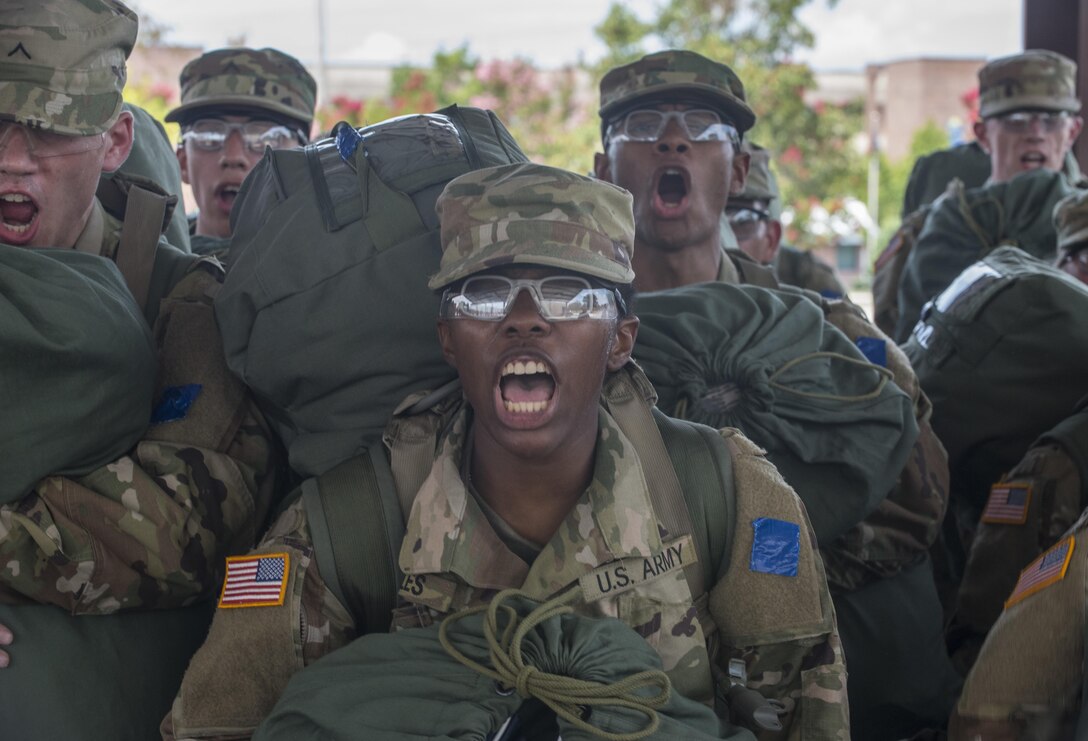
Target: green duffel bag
<point>77,370</point>
<point>481,675</point>
<point>767,363</point>
<point>95,677</point>
<point>1003,355</point>
<point>325,312</point>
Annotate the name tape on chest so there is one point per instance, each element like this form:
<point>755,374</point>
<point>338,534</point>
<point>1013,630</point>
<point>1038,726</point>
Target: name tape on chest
<point>627,573</point>
<point>255,581</point>
<point>430,590</point>
<point>1047,569</point>
<point>1008,504</point>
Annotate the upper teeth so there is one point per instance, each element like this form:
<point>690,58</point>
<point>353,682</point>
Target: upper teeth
<point>521,368</point>
<point>14,198</point>
<point>672,171</point>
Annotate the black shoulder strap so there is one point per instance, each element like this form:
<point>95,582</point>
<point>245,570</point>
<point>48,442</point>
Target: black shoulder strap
<point>357,527</point>
<point>705,469</point>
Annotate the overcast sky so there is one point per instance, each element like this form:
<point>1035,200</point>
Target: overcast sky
<point>555,32</point>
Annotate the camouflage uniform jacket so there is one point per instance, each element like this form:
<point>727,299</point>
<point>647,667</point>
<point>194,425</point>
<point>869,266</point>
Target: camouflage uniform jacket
<point>611,548</point>
<point>1028,511</point>
<point>150,529</point>
<point>1029,677</point>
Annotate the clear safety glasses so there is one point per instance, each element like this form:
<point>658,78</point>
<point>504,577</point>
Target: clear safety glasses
<point>699,125</point>
<point>43,144</point>
<point>211,135</point>
<point>1021,121</point>
<point>746,221</point>
<point>489,298</point>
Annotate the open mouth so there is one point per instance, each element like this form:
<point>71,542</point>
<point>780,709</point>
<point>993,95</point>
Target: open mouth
<point>18,212</point>
<point>526,386</point>
<point>671,187</point>
<point>671,192</point>
<point>225,195</point>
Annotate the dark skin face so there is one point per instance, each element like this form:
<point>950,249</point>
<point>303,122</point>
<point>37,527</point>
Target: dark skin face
<point>531,467</point>
<point>680,188</point>
<point>759,239</point>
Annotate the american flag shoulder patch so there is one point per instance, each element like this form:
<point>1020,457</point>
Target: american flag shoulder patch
<point>1008,504</point>
<point>1048,568</point>
<point>255,581</point>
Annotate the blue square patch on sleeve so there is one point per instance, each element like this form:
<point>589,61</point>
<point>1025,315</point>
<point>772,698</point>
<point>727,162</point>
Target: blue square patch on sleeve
<point>875,350</point>
<point>776,547</point>
<point>174,403</point>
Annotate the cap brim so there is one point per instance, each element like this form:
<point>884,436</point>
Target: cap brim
<point>189,111</point>
<point>96,112</point>
<point>1031,103</point>
<point>1071,240</point>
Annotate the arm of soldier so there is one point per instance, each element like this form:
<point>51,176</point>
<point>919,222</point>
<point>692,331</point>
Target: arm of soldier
<point>772,606</point>
<point>1026,513</point>
<point>150,530</point>
<point>147,531</point>
<point>263,646</point>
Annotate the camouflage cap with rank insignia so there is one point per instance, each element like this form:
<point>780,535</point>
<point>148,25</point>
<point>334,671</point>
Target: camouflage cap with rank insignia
<point>531,214</point>
<point>62,63</point>
<point>1071,220</point>
<point>761,184</point>
<point>261,79</point>
<point>1034,80</point>
<point>675,74</point>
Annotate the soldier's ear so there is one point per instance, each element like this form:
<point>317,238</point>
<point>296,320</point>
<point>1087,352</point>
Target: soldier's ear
<point>119,138</point>
<point>445,339</point>
<point>624,343</point>
<point>602,167</point>
<point>982,135</point>
<point>741,160</point>
<point>183,163</point>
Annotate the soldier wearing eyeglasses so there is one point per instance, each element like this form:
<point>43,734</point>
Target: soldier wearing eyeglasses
<point>142,462</point>
<point>753,214</point>
<point>1028,108</point>
<point>234,104</point>
<point>671,127</point>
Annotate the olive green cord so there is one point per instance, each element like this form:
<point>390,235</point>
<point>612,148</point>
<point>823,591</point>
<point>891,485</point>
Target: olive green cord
<point>885,376</point>
<point>973,225</point>
<point>564,695</point>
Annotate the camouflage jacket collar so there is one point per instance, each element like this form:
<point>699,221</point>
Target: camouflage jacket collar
<point>448,533</point>
<point>91,239</point>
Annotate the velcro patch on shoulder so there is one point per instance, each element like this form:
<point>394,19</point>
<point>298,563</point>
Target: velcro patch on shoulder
<point>255,581</point>
<point>875,350</point>
<point>1048,568</point>
<point>1008,504</point>
<point>776,547</point>
<point>174,403</point>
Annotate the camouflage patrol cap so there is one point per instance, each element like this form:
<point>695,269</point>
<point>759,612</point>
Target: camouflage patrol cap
<point>263,79</point>
<point>62,63</point>
<point>761,184</point>
<point>534,215</point>
<point>1036,79</point>
<point>675,73</point>
<point>1071,221</point>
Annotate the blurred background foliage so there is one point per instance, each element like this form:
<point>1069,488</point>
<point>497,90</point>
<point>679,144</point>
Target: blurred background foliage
<point>820,151</point>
